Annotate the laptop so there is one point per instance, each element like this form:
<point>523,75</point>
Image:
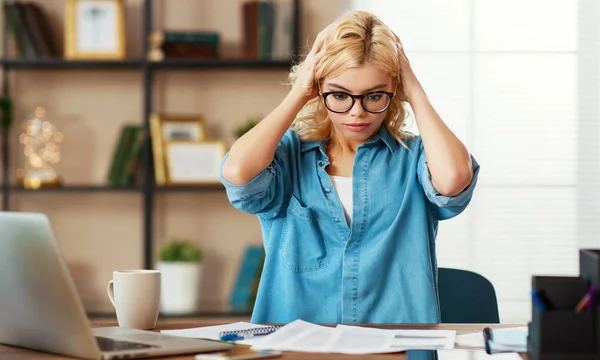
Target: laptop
<point>40,308</point>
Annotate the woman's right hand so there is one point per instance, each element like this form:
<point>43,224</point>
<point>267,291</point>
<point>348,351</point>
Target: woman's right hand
<point>305,84</point>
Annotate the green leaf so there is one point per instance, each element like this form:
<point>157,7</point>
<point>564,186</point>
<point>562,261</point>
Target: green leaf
<point>245,127</point>
<point>180,250</point>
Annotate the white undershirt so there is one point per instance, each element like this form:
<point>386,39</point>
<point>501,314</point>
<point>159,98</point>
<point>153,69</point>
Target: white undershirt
<point>343,187</point>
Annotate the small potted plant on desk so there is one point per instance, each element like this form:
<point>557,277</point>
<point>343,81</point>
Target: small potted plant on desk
<point>180,263</point>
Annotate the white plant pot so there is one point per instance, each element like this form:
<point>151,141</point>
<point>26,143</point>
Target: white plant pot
<point>179,287</point>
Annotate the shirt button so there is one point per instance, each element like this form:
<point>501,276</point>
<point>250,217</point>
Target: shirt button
<point>320,163</point>
<point>328,190</point>
<point>336,220</point>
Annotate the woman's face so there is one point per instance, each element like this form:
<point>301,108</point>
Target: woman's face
<point>357,125</point>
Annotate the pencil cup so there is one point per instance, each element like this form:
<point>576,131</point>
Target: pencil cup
<point>562,325</point>
<point>562,331</point>
<point>135,294</point>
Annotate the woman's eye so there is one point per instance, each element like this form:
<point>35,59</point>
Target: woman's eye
<point>374,97</point>
<point>340,96</point>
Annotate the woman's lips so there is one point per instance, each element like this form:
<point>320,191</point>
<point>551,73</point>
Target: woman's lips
<point>356,126</point>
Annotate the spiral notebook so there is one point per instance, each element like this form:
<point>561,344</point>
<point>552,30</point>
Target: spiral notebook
<point>213,332</point>
<point>251,332</point>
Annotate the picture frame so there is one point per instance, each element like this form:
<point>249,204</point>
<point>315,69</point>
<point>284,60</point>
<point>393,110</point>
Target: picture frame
<point>165,129</point>
<point>182,128</point>
<point>194,163</point>
<point>95,30</point>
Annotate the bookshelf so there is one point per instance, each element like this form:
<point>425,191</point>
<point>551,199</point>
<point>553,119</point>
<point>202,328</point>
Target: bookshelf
<point>148,188</point>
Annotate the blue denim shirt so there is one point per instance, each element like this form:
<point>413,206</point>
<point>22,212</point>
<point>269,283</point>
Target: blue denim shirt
<point>382,268</point>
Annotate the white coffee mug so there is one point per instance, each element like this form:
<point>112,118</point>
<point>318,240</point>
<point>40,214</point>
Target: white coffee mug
<point>135,294</point>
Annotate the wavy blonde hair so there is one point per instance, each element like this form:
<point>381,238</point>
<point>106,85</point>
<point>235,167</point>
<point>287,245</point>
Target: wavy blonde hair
<point>357,38</point>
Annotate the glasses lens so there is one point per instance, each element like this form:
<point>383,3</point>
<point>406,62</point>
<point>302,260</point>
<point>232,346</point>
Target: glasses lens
<point>376,102</point>
<point>338,102</point>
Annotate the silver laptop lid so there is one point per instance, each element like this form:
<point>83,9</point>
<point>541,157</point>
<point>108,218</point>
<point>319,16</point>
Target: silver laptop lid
<point>39,305</point>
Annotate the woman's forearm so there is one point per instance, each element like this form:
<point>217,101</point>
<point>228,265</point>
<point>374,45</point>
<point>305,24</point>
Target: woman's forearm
<point>254,151</point>
<point>448,160</point>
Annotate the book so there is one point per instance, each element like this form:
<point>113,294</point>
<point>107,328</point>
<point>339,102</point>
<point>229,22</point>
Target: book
<point>243,294</point>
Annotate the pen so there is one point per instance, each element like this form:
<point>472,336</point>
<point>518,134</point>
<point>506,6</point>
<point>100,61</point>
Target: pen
<point>231,337</point>
<point>583,303</point>
<point>487,338</point>
<point>592,299</point>
<point>236,337</point>
<point>537,301</point>
<point>589,300</point>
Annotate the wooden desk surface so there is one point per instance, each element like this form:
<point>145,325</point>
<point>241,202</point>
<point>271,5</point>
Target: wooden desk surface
<point>12,353</point>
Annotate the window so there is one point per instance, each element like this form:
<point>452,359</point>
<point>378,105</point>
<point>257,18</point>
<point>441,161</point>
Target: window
<point>519,83</point>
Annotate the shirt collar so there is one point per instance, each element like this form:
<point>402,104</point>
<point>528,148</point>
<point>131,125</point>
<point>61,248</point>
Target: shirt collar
<point>383,135</point>
<point>310,144</point>
<point>387,138</point>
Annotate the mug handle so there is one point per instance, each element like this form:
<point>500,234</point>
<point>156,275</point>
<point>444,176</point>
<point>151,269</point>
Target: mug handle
<point>110,289</point>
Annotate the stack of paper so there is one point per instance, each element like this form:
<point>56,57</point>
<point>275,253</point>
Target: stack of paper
<point>303,336</point>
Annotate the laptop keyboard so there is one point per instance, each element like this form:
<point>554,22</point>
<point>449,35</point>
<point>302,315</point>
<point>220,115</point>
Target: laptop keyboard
<point>108,344</point>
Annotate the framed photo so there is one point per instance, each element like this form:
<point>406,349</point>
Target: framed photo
<point>190,162</point>
<point>166,129</point>
<point>183,128</point>
<point>95,29</point>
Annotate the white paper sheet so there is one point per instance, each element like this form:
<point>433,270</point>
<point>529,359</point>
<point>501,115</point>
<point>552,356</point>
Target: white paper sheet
<point>424,339</point>
<point>473,340</point>
<point>303,336</point>
<point>474,355</point>
<point>501,335</point>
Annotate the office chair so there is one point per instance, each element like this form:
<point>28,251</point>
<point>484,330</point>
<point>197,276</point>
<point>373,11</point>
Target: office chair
<point>466,297</point>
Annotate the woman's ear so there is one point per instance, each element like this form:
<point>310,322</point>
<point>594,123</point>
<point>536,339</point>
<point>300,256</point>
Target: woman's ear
<point>397,89</point>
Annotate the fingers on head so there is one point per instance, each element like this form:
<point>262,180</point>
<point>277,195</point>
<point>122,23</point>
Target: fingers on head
<point>322,36</point>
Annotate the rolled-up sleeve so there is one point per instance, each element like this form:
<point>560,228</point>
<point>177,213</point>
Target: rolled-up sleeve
<point>264,194</point>
<point>446,206</point>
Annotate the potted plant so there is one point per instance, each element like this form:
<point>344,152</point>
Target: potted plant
<point>246,126</point>
<point>180,263</point>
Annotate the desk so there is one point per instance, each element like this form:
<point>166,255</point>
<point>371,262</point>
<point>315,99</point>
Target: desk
<point>7,352</point>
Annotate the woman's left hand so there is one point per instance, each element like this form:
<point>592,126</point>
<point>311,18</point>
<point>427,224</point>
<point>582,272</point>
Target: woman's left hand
<point>410,83</point>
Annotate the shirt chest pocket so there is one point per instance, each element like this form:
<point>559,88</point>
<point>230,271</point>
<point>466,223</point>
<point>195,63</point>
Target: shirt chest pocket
<point>303,248</point>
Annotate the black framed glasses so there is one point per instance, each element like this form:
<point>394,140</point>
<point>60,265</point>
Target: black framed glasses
<point>374,102</point>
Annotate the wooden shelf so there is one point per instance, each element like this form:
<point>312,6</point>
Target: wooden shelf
<point>72,64</point>
<point>172,64</point>
<point>109,188</point>
<point>185,64</point>
<point>191,188</point>
<point>78,188</point>
<point>139,64</point>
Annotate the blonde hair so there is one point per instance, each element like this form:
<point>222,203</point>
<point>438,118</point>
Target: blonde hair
<point>357,38</point>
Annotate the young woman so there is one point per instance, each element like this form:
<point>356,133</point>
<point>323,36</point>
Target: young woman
<point>348,202</point>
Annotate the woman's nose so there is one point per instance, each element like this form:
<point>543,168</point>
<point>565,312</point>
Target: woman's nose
<point>357,109</point>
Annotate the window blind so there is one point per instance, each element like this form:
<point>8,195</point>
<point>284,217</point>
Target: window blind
<point>519,83</point>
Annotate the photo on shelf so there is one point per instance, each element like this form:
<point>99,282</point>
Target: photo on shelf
<point>95,29</point>
<point>183,128</point>
<point>173,128</point>
<point>192,163</point>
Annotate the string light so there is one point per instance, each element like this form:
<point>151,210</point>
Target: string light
<point>41,146</point>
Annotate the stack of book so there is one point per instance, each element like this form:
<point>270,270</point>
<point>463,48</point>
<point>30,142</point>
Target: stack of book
<point>183,45</point>
<point>125,169</point>
<point>267,29</point>
<point>31,31</point>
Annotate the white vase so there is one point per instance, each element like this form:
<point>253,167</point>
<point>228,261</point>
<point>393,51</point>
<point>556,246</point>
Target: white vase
<point>180,287</point>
